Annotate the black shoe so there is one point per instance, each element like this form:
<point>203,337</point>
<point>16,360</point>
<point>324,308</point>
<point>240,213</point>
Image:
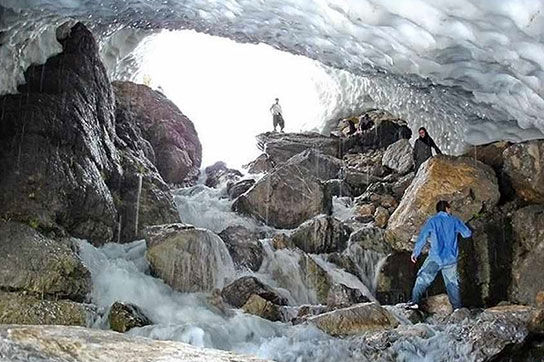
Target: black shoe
<point>411,306</point>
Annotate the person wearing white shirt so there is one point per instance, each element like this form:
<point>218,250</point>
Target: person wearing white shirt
<point>277,118</point>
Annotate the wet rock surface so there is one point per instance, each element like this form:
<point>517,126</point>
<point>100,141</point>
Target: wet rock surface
<point>219,173</point>
<point>285,198</point>
<point>188,259</point>
<point>39,265</point>
<point>322,234</point>
<point>356,319</point>
<point>238,292</point>
<point>244,247</point>
<point>236,189</point>
<point>261,164</point>
<point>341,296</point>
<point>20,308</point>
<point>60,343</point>
<point>125,316</point>
<point>398,157</point>
<point>177,152</point>
<point>263,308</point>
<point>57,144</point>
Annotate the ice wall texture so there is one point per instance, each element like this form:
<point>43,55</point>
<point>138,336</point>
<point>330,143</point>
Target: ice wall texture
<point>468,70</point>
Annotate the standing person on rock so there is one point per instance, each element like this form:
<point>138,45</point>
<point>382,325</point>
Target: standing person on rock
<point>423,148</point>
<point>277,117</point>
<point>442,230</point>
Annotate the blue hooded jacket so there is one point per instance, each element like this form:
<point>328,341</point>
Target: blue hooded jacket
<point>442,229</point>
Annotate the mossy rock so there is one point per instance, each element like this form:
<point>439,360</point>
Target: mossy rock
<point>18,308</point>
<point>124,317</point>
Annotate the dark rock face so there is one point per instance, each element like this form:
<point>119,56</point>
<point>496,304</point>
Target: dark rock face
<point>485,260</point>
<point>56,138</point>
<point>285,198</point>
<point>524,164</point>
<point>341,296</point>
<point>123,317</point>
<point>381,135</point>
<point>238,188</point>
<point>238,292</point>
<point>154,204</point>
<point>177,149</point>
<point>41,266</point>
<point>244,247</point>
<point>219,173</point>
<point>322,234</point>
<point>282,146</point>
<point>528,259</point>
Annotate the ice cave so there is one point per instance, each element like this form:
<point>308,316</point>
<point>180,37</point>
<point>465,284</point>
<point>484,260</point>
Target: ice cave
<point>151,211</point>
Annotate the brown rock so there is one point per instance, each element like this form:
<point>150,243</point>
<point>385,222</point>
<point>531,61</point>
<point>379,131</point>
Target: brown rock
<point>261,164</point>
<point>285,198</point>
<point>528,258</point>
<point>355,320</point>
<point>366,210</point>
<point>239,291</point>
<point>381,217</point>
<point>437,304</point>
<point>188,259</point>
<point>263,308</point>
<point>539,299</point>
<point>123,317</point>
<point>178,152</point>
<point>322,234</point>
<point>281,241</point>
<point>524,164</point>
<point>470,186</point>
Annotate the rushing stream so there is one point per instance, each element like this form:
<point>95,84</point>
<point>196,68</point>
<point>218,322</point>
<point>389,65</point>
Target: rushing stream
<point>120,272</point>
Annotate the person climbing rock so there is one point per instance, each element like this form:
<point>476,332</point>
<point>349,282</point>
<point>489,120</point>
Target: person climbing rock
<point>442,230</point>
<point>423,148</point>
<point>352,128</point>
<point>277,117</point>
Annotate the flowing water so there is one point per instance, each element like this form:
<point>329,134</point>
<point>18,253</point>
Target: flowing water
<point>120,272</point>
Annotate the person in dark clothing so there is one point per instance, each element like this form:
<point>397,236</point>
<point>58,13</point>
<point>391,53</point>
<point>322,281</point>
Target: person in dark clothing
<point>423,148</point>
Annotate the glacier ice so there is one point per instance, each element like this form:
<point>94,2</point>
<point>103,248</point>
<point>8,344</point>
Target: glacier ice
<point>471,71</point>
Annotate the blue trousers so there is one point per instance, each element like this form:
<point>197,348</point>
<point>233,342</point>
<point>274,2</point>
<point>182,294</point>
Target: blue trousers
<point>426,275</point>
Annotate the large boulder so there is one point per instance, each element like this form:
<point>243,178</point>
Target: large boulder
<point>341,296</point>
<point>261,164</point>
<point>19,308</point>
<point>282,146</point>
<point>57,151</point>
<point>263,308</point>
<point>244,247</point>
<point>524,164</point>
<point>469,185</point>
<point>236,189</point>
<point>187,258</point>
<point>322,234</point>
<point>355,320</point>
<point>38,265</point>
<point>177,149</point>
<point>143,198</point>
<point>485,260</point>
<point>398,156</point>
<point>322,166</point>
<point>285,198</point>
<point>528,254</point>
<point>125,316</point>
<point>238,292</point>
<point>75,344</point>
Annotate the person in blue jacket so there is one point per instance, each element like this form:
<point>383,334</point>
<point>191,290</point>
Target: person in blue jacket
<point>441,230</point>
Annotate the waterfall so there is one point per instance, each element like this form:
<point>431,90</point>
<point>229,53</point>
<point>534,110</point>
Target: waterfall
<point>138,204</point>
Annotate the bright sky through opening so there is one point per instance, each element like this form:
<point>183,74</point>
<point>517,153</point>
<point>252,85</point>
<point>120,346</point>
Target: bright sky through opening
<point>227,88</point>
